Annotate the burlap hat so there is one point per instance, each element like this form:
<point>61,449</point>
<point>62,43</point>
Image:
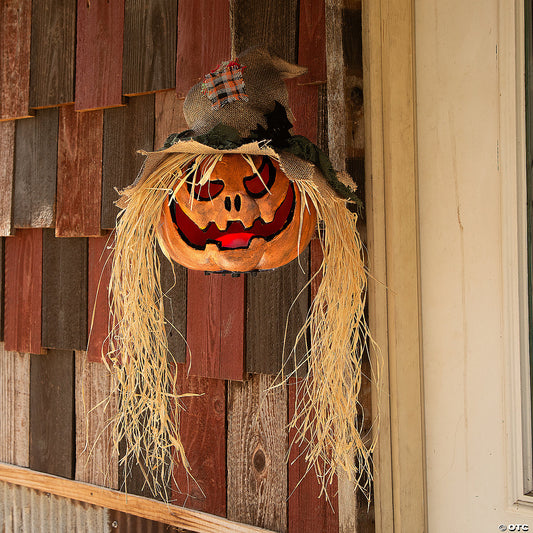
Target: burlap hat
<point>242,106</point>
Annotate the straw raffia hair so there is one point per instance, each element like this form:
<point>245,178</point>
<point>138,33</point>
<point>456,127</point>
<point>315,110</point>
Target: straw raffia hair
<point>328,413</point>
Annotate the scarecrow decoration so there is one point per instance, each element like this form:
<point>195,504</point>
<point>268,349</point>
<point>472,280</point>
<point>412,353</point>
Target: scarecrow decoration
<point>238,193</point>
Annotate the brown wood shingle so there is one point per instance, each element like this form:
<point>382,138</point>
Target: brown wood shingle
<point>7,162</point>
<point>35,170</point>
<point>51,413</point>
<point>53,49</point>
<point>126,130</point>
<point>204,40</point>
<point>15,43</point>
<point>150,28</point>
<point>64,312</point>
<point>79,173</point>
<point>99,44</point>
<point>203,427</point>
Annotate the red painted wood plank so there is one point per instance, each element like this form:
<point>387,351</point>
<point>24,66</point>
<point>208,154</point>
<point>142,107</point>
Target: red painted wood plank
<point>7,161</point>
<point>203,430</point>
<point>215,325</point>
<point>15,49</point>
<point>308,511</point>
<point>99,47</point>
<point>23,284</point>
<point>79,173</point>
<point>99,274</point>
<point>303,91</point>
<point>203,40</point>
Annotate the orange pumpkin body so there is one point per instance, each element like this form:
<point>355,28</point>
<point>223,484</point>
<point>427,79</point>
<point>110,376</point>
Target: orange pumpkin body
<point>238,221</point>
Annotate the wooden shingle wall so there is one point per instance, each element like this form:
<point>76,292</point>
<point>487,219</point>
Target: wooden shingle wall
<point>84,85</point>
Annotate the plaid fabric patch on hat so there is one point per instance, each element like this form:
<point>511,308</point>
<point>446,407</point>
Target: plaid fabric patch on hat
<point>224,84</point>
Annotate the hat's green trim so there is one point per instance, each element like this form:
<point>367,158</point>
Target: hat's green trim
<point>223,137</point>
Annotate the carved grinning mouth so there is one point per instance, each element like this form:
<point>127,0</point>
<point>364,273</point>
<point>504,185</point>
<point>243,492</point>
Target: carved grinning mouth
<point>235,235</point>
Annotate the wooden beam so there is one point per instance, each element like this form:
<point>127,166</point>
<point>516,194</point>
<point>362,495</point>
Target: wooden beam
<point>111,499</point>
<point>215,325</point>
<point>53,50</point>
<point>22,298</point>
<point>79,173</point>
<point>100,40</point>
<point>15,45</point>
<point>150,28</point>
<point>394,290</point>
<point>203,40</point>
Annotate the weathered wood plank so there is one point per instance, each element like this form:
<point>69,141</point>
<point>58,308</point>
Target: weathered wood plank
<point>168,116</point>
<point>53,49</point>
<point>257,448</point>
<point>35,170</point>
<point>79,173</point>
<point>23,282</point>
<point>2,267</point>
<point>100,41</point>
<point>203,430</point>
<point>126,130</point>
<point>64,313</point>
<point>7,162</point>
<point>203,40</point>
<point>272,25</point>
<point>95,461</point>
<point>270,296</point>
<point>52,413</point>
<point>174,287</point>
<point>215,325</point>
<point>15,45</point>
<point>98,275</point>
<point>303,91</point>
<point>150,28</point>
<point>308,509</point>
<point>14,407</point>
<point>152,510</point>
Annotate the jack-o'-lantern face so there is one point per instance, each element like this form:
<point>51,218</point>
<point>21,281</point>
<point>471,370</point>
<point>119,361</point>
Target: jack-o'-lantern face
<point>237,221</point>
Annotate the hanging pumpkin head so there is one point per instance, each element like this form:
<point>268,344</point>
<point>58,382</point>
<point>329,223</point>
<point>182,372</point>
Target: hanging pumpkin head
<point>237,192</point>
<point>247,215</point>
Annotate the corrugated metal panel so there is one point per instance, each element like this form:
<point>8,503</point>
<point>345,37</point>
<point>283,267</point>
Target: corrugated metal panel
<point>24,510</point>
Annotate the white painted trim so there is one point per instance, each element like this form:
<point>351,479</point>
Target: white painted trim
<point>512,167</point>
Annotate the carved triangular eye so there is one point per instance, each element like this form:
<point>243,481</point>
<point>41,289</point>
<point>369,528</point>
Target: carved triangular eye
<point>209,190</point>
<point>258,185</point>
